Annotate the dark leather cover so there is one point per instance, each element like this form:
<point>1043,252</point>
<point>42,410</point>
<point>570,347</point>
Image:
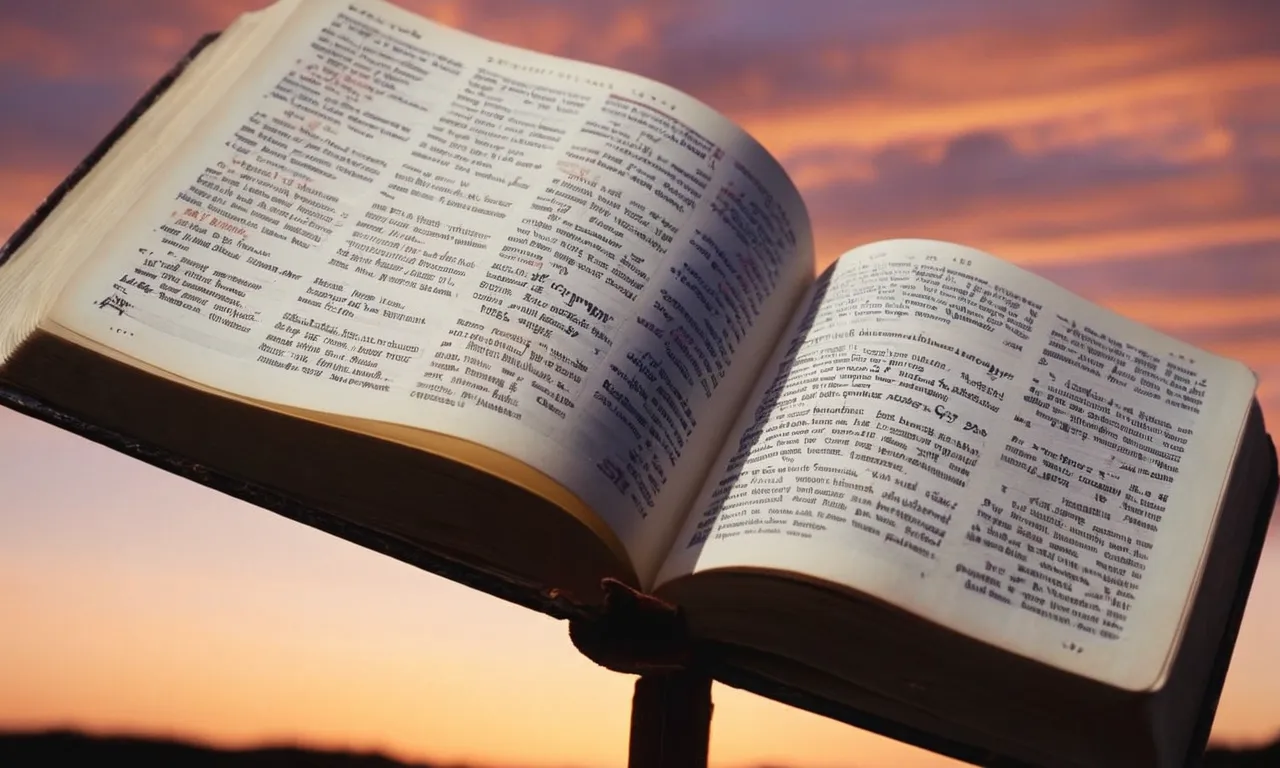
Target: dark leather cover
<point>635,633</point>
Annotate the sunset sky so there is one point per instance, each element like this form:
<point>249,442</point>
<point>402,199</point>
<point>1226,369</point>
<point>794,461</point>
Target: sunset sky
<point>1127,149</point>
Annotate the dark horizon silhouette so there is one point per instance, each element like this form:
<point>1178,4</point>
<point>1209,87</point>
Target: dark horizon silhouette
<point>69,747</point>
<point>74,748</point>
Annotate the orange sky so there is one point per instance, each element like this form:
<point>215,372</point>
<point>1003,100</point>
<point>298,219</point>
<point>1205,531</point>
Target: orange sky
<point>1127,150</point>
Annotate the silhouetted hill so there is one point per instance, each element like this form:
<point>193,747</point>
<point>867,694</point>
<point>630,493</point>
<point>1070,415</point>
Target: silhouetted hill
<point>67,748</point>
<point>1261,757</point>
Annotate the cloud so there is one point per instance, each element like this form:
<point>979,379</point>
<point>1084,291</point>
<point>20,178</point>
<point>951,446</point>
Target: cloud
<point>1229,272</point>
<point>124,39</point>
<point>866,123</point>
<point>55,123</point>
<point>38,52</point>
<point>1089,202</point>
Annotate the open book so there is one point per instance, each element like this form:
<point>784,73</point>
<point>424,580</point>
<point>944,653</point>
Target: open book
<point>560,323</point>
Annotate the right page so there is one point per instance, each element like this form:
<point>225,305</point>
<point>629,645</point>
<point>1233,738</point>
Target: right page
<point>951,434</point>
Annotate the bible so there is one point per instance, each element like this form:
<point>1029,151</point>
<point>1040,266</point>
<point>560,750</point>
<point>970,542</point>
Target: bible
<point>540,325</point>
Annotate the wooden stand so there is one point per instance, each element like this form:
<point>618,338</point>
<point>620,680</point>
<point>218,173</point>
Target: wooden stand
<point>671,721</point>
<point>640,634</point>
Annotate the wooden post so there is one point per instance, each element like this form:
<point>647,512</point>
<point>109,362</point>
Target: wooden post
<point>671,721</point>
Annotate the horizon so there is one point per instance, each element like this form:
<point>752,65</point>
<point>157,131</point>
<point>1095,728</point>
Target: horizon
<point>1125,150</point>
<point>62,744</point>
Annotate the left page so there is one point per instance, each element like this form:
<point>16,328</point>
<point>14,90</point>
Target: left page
<point>395,221</point>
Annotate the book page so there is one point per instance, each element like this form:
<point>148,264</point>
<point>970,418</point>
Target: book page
<point>956,436</point>
<point>397,221</point>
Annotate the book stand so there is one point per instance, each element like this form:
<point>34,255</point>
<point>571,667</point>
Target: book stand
<point>671,710</point>
<point>670,721</point>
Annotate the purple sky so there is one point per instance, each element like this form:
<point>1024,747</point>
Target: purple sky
<point>1128,149</point>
